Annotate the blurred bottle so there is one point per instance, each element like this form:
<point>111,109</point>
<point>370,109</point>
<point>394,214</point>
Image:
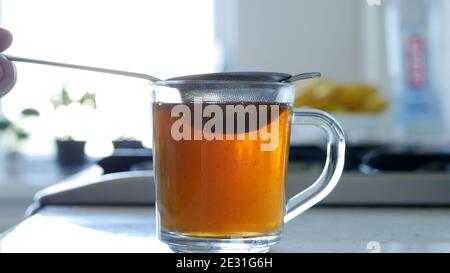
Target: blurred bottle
<point>413,40</point>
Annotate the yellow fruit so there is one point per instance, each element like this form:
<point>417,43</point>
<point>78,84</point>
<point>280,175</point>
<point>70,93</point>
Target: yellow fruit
<point>375,103</point>
<point>328,96</point>
<point>353,96</point>
<point>318,94</point>
<point>306,99</point>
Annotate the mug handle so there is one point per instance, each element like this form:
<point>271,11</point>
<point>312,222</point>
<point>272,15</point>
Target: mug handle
<point>333,166</point>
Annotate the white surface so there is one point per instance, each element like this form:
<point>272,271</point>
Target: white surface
<point>358,128</point>
<point>299,36</point>
<point>132,229</point>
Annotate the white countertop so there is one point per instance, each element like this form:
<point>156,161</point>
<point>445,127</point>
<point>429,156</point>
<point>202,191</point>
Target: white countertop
<point>323,229</point>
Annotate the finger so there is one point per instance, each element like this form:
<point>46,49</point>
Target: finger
<point>7,75</point>
<point>5,39</point>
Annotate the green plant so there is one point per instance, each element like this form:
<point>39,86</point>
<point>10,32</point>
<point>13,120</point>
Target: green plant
<point>17,134</point>
<point>125,138</point>
<point>64,99</point>
<point>72,116</point>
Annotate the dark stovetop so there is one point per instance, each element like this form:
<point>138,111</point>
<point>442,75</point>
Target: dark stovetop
<point>365,158</point>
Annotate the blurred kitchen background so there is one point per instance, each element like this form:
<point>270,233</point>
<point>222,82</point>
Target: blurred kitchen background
<point>385,66</point>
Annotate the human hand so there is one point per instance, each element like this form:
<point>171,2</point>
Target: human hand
<point>7,69</point>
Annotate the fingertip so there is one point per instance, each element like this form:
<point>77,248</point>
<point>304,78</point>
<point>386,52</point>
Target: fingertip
<point>6,39</point>
<point>8,77</point>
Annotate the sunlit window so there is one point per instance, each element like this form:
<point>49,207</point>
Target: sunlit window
<point>164,38</point>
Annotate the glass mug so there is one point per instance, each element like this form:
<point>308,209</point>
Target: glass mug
<point>220,163</point>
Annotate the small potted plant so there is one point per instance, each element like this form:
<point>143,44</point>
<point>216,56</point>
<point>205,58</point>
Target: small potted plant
<point>124,142</point>
<point>14,132</point>
<point>71,115</point>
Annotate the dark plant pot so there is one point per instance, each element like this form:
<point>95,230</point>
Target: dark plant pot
<point>127,144</point>
<point>70,152</point>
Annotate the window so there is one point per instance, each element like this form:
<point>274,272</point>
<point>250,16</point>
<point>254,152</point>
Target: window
<point>164,38</point>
